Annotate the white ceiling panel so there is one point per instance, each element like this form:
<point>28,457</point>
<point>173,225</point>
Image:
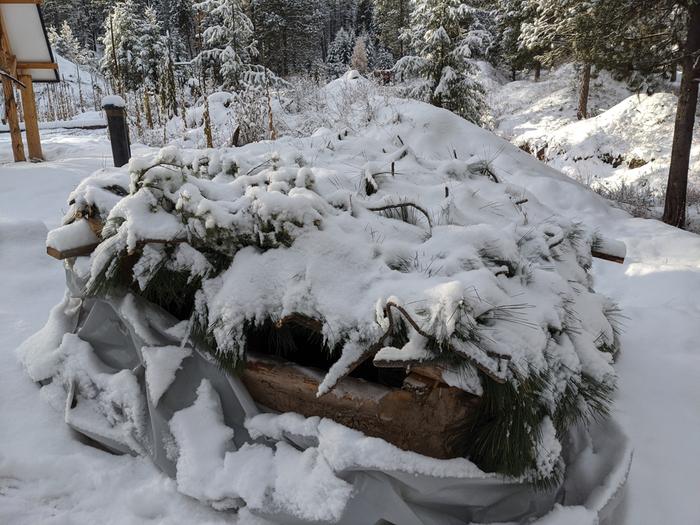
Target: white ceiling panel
<point>27,37</point>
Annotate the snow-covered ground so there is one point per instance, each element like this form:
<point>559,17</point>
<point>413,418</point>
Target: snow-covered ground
<point>48,476</point>
<point>627,140</point>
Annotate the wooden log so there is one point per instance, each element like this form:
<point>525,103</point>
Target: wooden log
<point>31,123</point>
<point>417,419</point>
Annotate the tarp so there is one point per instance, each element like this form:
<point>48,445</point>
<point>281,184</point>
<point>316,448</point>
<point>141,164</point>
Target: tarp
<point>118,328</point>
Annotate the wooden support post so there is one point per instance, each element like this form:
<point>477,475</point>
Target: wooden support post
<point>31,124</point>
<point>13,121</point>
<point>8,63</point>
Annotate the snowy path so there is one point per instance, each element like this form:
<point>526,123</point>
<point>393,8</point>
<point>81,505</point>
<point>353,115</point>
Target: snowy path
<point>46,476</point>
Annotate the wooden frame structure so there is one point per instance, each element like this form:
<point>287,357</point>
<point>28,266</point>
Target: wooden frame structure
<point>21,71</point>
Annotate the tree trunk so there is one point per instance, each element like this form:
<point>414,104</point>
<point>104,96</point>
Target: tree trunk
<point>538,70</point>
<point>674,72</point>
<point>677,187</point>
<point>513,73</point>
<point>583,93</point>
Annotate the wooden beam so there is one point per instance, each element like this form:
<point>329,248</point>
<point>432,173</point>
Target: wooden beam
<point>10,77</point>
<point>36,65</point>
<point>31,122</point>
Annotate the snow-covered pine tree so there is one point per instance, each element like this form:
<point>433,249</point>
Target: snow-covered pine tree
<point>579,30</point>
<point>289,33</point>
<point>177,18</point>
<point>73,51</point>
<point>510,16</point>
<point>390,17</point>
<point>153,59</point>
<point>56,41</point>
<point>228,46</point>
<point>442,49</point>
<point>153,50</point>
<point>121,40</point>
<point>340,53</point>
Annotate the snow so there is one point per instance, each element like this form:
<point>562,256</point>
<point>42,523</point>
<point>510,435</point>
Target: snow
<point>71,236</point>
<point>48,476</point>
<point>113,100</point>
<point>627,141</point>
<point>161,364</point>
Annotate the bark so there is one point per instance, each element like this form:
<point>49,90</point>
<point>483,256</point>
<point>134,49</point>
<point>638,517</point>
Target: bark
<point>584,90</point>
<point>677,187</point>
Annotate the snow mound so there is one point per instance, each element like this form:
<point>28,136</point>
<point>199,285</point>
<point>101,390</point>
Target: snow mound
<point>389,239</point>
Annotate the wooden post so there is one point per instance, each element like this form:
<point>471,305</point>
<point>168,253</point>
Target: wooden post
<point>118,129</point>
<point>9,64</point>
<point>13,121</point>
<point>31,124</point>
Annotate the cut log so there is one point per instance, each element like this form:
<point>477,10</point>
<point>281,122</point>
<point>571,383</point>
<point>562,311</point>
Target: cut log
<point>417,419</point>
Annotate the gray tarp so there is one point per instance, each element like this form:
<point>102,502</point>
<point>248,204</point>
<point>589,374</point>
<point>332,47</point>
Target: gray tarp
<point>598,458</point>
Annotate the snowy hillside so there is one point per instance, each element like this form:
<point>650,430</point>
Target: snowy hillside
<point>626,143</point>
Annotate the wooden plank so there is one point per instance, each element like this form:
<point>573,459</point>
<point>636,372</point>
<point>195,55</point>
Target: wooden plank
<point>608,257</point>
<point>36,65</point>
<point>12,78</point>
<point>420,420</point>
<point>72,252</point>
<point>31,122</point>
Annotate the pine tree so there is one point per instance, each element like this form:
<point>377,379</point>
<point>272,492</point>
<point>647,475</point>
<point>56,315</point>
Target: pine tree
<point>227,44</point>
<point>390,17</point>
<point>340,53</point>
<point>121,40</point>
<point>579,30</point>
<point>441,62</point>
<point>153,50</point>
<point>73,51</point>
<point>290,34</point>
<point>510,17</point>
<point>677,188</point>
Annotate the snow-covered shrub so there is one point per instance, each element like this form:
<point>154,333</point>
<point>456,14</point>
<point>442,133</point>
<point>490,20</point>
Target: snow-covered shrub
<point>350,102</point>
<point>394,256</point>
